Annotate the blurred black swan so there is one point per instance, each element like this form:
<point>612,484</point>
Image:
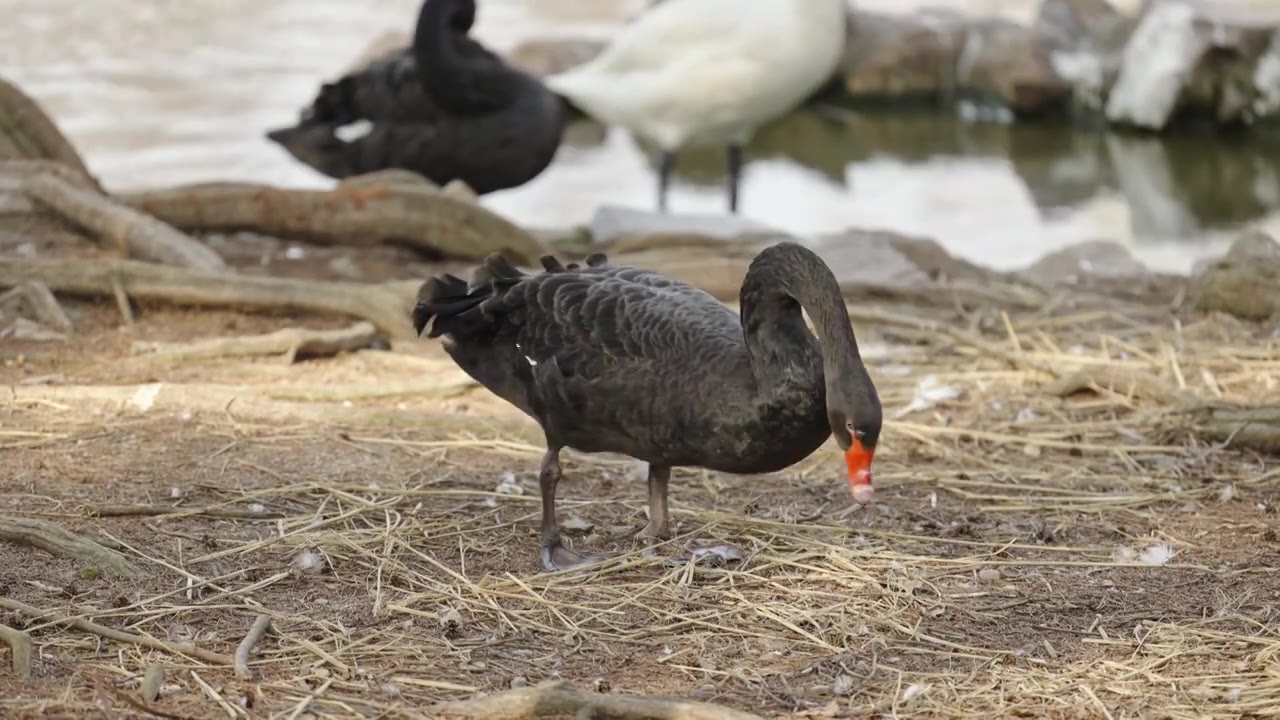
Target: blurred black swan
<point>445,108</point>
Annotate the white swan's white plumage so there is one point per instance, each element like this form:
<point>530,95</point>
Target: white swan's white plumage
<point>709,72</point>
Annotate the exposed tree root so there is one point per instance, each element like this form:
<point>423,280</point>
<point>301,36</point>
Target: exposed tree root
<point>19,644</point>
<point>42,304</point>
<point>58,541</point>
<point>289,342</point>
<point>385,305</point>
<point>31,133</point>
<point>120,226</point>
<point>1255,429</point>
<point>257,403</point>
<point>354,213</point>
<point>561,699</point>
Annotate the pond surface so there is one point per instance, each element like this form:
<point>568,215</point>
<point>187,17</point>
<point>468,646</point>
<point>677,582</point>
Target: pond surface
<point>157,92</point>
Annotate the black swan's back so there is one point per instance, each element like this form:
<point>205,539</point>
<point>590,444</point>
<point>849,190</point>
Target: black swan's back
<point>613,359</point>
<point>445,107</point>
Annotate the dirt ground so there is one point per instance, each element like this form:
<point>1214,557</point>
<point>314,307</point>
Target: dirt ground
<point>1028,556</point>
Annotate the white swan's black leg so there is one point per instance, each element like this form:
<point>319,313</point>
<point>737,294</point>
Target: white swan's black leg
<point>554,555</point>
<point>735,175</point>
<point>666,162</point>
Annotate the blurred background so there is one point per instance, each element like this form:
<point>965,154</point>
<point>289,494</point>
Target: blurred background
<point>158,92</point>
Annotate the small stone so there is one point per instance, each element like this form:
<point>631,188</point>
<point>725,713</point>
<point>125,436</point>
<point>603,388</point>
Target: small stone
<point>451,618</point>
<point>507,485</point>
<point>1031,450</point>
<point>576,525</point>
<point>519,681</point>
<point>989,575</point>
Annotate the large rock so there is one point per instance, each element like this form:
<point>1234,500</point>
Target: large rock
<point>934,54</point>
<point>1197,61</point>
<point>1245,282</point>
<point>1079,263</point>
<point>1085,39</point>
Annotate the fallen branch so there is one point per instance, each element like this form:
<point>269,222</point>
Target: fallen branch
<point>19,644</point>
<point>58,541</point>
<point>162,511</point>
<point>558,698</point>
<point>241,659</point>
<point>289,342</point>
<point>31,131</point>
<point>364,213</point>
<point>122,227</point>
<point>386,305</point>
<point>180,649</point>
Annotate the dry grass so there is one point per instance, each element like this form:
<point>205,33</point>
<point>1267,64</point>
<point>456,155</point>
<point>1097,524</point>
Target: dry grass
<point>1005,571</point>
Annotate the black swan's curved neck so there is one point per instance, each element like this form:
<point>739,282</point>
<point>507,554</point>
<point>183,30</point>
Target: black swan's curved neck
<point>457,71</point>
<point>783,279</point>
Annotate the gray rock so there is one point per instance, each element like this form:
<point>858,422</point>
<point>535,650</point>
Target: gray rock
<point>547,56</point>
<point>860,257</point>
<point>1096,259</point>
<point>612,223</point>
<point>1245,282</point>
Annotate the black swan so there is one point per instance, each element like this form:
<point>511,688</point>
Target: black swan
<point>624,360</point>
<point>445,108</point>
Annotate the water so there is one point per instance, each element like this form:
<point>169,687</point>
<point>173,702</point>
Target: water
<point>176,91</point>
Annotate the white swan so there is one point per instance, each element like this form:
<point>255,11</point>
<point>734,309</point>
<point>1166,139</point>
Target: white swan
<point>708,72</point>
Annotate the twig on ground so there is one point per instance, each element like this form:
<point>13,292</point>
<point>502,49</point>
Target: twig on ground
<point>161,510</point>
<point>260,627</point>
<point>289,342</point>
<point>560,698</point>
<point>49,616</point>
<point>58,541</point>
<point>386,305</point>
<point>19,644</point>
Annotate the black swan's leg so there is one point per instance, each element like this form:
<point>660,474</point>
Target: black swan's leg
<point>666,161</point>
<point>554,555</point>
<point>658,525</point>
<point>735,175</point>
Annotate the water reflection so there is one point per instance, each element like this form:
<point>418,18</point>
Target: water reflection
<point>1184,189</point>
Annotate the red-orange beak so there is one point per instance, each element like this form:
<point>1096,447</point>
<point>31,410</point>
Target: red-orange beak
<point>858,459</point>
